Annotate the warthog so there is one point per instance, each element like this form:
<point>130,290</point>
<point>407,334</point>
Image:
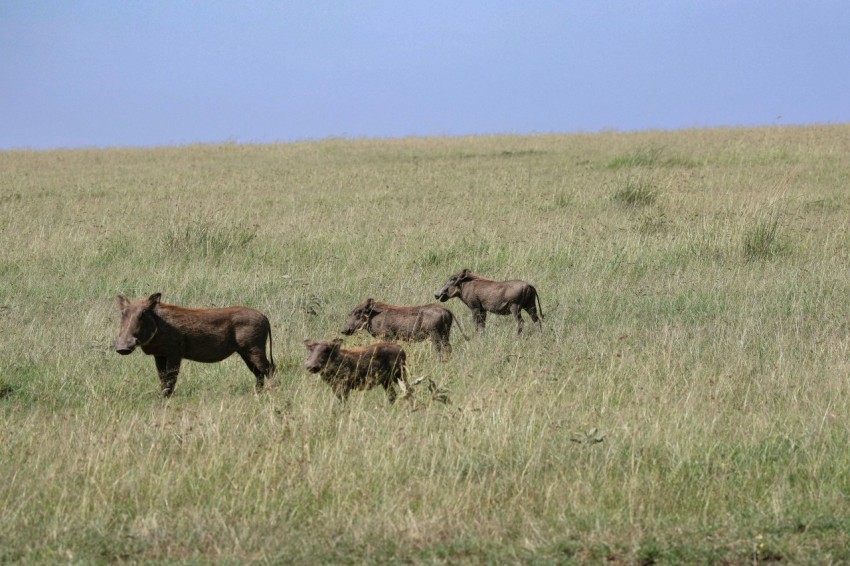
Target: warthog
<point>359,368</point>
<point>484,295</point>
<point>396,322</point>
<point>170,334</point>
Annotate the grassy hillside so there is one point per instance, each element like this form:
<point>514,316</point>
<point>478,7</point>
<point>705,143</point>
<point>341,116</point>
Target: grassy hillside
<point>688,399</point>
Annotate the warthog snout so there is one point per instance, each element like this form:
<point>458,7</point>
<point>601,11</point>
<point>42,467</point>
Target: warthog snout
<point>124,349</point>
<point>318,354</point>
<point>359,317</point>
<point>450,291</point>
<point>443,294</point>
<point>125,344</point>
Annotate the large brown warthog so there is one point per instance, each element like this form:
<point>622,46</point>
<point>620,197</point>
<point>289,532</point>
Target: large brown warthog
<point>484,295</point>
<point>170,334</point>
<point>359,368</point>
<point>396,322</point>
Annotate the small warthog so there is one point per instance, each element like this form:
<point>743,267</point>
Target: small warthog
<point>484,295</point>
<point>170,334</point>
<point>359,368</point>
<point>396,322</point>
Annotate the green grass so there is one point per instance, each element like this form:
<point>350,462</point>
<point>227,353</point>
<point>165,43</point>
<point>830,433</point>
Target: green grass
<point>207,237</point>
<point>763,239</point>
<point>686,402</point>
<point>635,193</point>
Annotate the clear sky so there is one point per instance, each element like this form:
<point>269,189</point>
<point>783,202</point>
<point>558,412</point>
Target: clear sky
<point>169,72</point>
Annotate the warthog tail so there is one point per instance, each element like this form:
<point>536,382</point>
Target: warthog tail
<point>539,307</point>
<point>459,328</point>
<point>272,368</point>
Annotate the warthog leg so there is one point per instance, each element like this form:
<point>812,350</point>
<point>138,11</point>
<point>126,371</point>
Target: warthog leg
<point>391,394</point>
<point>255,359</point>
<point>517,312</point>
<point>168,369</point>
<point>532,312</point>
<point>341,391</point>
<point>480,318</point>
<point>441,346</point>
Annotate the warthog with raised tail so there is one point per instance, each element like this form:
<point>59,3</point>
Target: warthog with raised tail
<point>358,368</point>
<point>171,334</point>
<point>484,295</point>
<point>397,322</point>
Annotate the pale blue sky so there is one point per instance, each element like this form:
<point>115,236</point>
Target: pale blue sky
<point>169,72</point>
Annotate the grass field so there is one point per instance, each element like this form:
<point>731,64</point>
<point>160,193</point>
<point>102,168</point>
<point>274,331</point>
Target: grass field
<point>687,401</point>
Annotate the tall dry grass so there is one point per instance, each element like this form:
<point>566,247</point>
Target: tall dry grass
<point>686,401</point>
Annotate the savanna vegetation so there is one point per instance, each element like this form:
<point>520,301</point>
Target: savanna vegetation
<point>687,401</point>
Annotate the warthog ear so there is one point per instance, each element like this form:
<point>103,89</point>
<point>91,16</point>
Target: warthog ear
<point>371,308</point>
<point>310,344</point>
<point>122,302</point>
<point>336,342</point>
<point>153,301</point>
<point>464,275</point>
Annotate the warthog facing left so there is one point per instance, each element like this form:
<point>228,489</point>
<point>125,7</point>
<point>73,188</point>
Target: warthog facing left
<point>171,334</point>
<point>397,322</point>
<point>358,368</point>
<point>484,295</point>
